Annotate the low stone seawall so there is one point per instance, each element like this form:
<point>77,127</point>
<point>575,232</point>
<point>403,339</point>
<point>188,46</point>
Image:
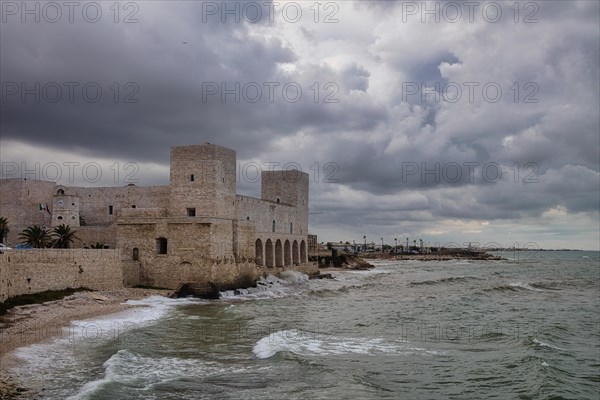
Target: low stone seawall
<point>38,270</point>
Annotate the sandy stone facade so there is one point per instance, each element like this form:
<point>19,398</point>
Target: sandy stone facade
<point>194,229</point>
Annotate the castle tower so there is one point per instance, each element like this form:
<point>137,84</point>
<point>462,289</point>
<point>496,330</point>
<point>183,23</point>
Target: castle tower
<point>203,181</point>
<point>288,187</point>
<point>65,208</point>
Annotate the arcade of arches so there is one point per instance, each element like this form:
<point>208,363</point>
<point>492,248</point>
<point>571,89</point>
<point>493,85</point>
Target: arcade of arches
<point>280,253</point>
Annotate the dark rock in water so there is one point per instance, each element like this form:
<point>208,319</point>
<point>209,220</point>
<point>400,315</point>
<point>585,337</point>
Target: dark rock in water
<point>197,289</point>
<point>321,276</point>
<point>237,292</point>
<point>210,290</point>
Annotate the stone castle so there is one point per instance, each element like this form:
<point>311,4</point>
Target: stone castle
<point>196,229</point>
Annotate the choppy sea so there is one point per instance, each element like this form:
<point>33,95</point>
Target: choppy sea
<point>523,328</point>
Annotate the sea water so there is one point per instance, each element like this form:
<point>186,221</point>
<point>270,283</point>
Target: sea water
<point>527,327</point>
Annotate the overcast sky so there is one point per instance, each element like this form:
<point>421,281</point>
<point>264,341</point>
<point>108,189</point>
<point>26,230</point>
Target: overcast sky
<point>450,122</point>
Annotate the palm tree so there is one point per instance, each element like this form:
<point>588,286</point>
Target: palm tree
<point>63,236</point>
<point>35,236</point>
<point>3,229</point>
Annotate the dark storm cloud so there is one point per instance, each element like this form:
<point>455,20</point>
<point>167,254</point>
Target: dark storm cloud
<point>396,154</point>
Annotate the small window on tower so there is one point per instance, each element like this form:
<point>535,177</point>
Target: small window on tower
<point>60,217</point>
<point>278,199</point>
<point>133,206</point>
<point>192,177</point>
<point>110,210</point>
<point>161,246</point>
<point>191,212</point>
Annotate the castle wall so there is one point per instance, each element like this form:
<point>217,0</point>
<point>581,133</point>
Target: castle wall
<point>90,235</point>
<point>38,270</point>
<point>19,204</point>
<point>95,203</point>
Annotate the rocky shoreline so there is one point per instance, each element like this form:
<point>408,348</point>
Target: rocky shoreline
<point>34,323</point>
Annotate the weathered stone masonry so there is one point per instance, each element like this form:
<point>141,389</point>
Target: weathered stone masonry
<point>196,229</point>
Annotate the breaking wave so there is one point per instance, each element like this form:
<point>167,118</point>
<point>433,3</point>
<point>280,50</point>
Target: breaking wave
<point>455,279</point>
<point>305,343</point>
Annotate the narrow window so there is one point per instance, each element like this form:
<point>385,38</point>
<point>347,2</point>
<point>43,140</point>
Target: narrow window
<point>291,227</point>
<point>133,206</point>
<point>278,200</point>
<point>136,254</point>
<point>191,212</point>
<point>110,210</point>
<point>273,228</point>
<point>161,246</point>
<point>192,177</point>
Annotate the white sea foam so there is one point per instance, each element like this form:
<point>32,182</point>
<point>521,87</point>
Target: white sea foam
<point>293,277</point>
<point>314,344</point>
<point>57,352</point>
<point>366,272</point>
<point>289,282</point>
<point>524,286</point>
<point>550,346</point>
<point>141,372</point>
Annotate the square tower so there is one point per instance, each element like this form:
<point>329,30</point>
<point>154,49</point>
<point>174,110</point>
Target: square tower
<point>203,181</point>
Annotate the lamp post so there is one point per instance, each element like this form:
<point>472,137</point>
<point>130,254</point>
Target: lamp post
<point>365,238</point>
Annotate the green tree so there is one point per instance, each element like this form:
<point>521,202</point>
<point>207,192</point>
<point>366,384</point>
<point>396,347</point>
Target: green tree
<point>35,236</point>
<point>63,236</point>
<point>3,229</point>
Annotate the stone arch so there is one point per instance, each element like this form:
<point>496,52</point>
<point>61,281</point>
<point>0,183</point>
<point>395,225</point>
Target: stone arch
<point>278,254</point>
<point>269,253</point>
<point>136,254</point>
<point>303,259</point>
<point>295,255</point>
<point>287,253</point>
<point>258,252</point>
